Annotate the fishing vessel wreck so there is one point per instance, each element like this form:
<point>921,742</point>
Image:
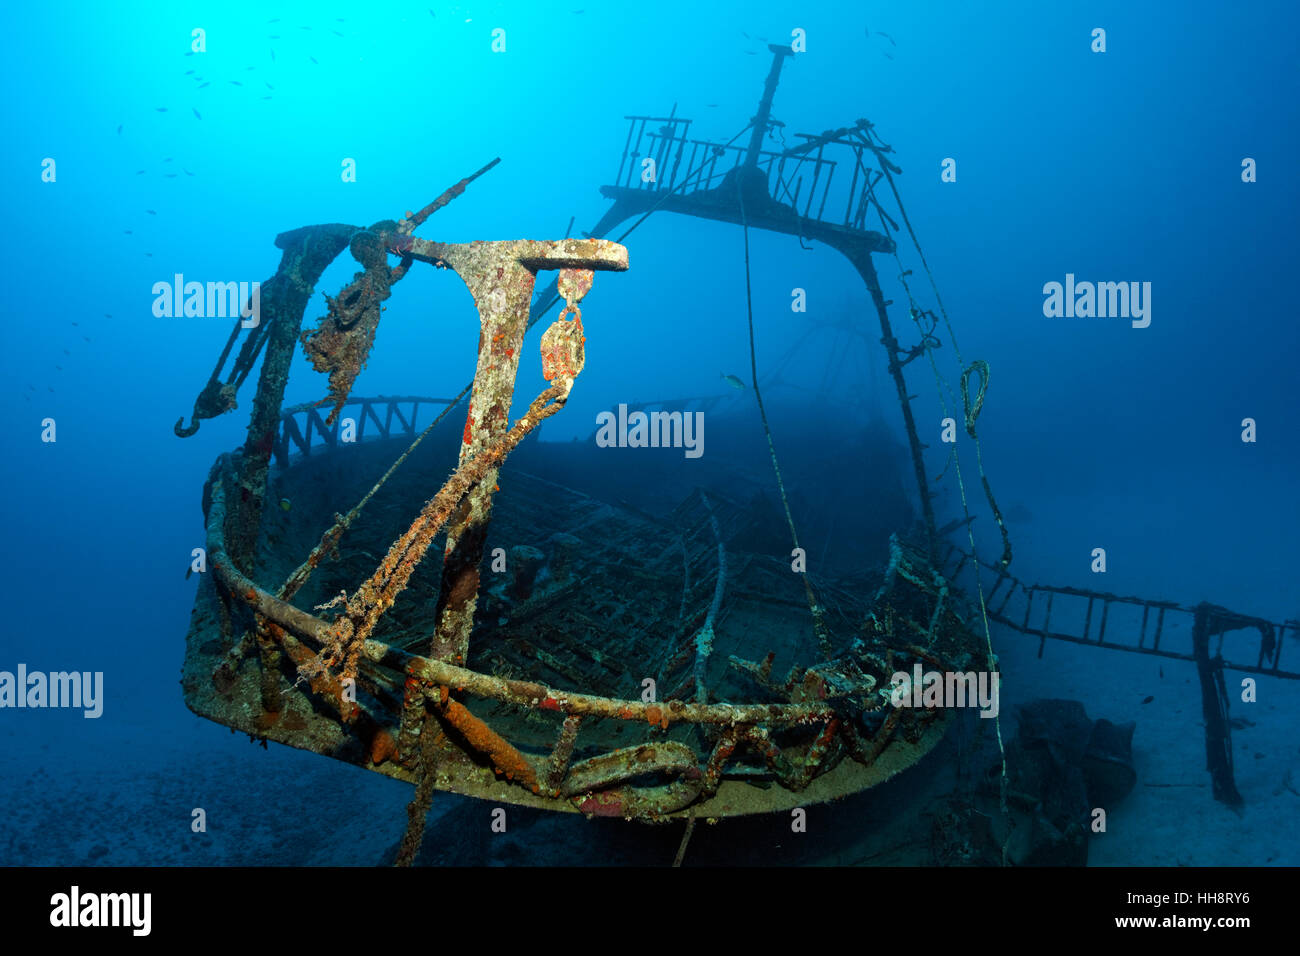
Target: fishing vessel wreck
<point>567,653</point>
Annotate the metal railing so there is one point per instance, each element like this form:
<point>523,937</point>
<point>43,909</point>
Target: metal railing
<point>1121,623</point>
<point>802,178</point>
<point>303,430</point>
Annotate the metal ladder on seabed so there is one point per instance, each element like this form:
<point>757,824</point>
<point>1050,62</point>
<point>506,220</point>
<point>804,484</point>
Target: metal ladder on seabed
<point>1160,621</point>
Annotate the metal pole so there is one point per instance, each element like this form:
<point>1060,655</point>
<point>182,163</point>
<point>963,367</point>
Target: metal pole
<point>779,53</point>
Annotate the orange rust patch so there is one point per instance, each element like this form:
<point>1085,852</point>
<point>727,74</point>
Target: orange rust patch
<point>505,758</point>
<point>382,747</point>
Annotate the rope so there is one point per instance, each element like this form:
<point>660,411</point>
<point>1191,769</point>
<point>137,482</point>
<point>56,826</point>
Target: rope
<point>971,412</point>
<point>686,839</point>
<point>329,540</point>
<point>819,628</point>
<point>417,811</point>
<point>704,636</point>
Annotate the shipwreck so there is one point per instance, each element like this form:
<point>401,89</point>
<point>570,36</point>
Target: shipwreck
<point>501,636</point>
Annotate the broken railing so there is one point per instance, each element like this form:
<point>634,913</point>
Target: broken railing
<point>1142,626</point>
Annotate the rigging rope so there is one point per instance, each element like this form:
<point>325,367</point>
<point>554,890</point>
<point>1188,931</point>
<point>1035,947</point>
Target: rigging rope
<point>329,540</point>
<point>819,627</point>
<point>971,412</point>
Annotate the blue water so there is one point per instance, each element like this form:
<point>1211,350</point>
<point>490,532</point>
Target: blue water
<point>1117,166</point>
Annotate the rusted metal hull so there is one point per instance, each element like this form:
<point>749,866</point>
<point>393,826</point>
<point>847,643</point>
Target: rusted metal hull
<point>300,725</point>
<point>503,738</point>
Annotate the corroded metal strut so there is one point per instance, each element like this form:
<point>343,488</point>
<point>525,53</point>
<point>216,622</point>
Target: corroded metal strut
<point>500,276</point>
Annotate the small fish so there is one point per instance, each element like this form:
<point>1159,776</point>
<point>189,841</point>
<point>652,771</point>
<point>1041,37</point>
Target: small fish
<point>187,72</point>
<point>139,172</point>
<point>58,368</point>
<point>276,20</point>
<point>169,175</point>
<point>197,115</point>
<point>274,37</point>
<point>107,315</point>
<point>186,171</point>
<point>205,84</point>
<point>167,159</point>
<point>314,60</point>
<point>712,106</point>
<point>733,381</point>
<point>66,352</point>
<point>151,212</point>
<point>887,37</point>
<point>148,255</point>
<point>161,109</point>
<point>119,131</point>
<point>432,14</point>
<point>128,232</point>
<point>51,389</point>
<point>235,83</point>
<point>888,56</point>
<point>85,338</point>
<point>1149,699</point>
<point>272,55</point>
<point>268,85</point>
<point>74,323</point>
<point>31,386</point>
<point>336,33</point>
<point>251,68</point>
<point>304,28</point>
<point>285,504</point>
